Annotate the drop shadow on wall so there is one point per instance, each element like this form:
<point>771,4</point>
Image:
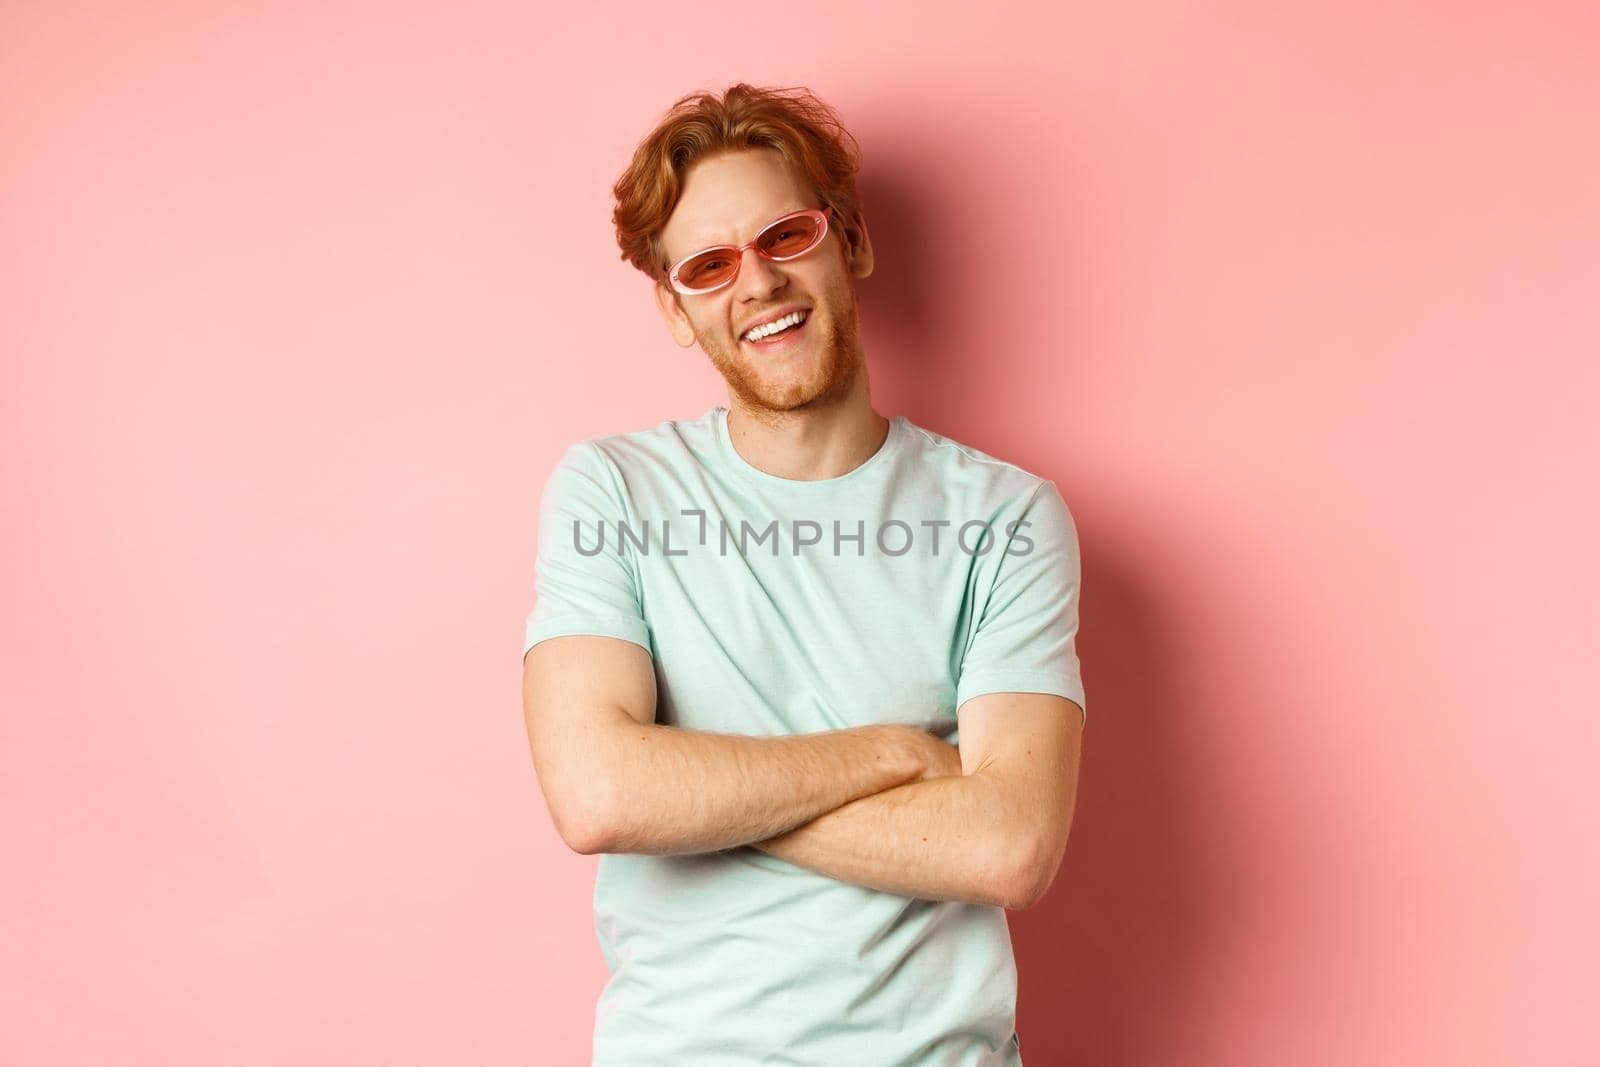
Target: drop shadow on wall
<point>1113,954</point>
<point>900,311</point>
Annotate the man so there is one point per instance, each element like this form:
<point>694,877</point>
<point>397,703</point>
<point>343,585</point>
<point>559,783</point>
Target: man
<point>804,675</point>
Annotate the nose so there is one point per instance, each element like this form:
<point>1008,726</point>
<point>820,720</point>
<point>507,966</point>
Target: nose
<point>758,277</point>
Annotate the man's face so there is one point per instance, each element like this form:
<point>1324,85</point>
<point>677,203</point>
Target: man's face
<point>727,200</point>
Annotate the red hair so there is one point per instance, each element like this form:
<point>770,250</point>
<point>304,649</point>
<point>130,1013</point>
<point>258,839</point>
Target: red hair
<point>793,121</point>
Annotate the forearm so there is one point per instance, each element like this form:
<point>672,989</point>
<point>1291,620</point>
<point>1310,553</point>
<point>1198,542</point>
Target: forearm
<point>963,837</point>
<point>668,790</point>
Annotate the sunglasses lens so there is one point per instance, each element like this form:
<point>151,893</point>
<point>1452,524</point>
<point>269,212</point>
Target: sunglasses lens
<point>708,269</point>
<point>790,237</point>
<point>781,240</point>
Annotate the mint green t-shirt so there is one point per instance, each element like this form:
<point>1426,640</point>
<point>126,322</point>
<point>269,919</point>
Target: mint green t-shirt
<point>928,575</point>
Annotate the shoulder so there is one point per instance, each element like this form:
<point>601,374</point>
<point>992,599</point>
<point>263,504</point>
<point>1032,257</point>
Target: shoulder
<point>966,471</point>
<point>636,453</point>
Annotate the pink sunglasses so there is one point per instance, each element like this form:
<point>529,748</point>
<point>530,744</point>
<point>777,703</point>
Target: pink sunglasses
<point>784,239</point>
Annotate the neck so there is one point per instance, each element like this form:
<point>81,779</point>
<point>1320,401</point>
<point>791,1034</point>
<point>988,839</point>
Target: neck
<point>808,444</point>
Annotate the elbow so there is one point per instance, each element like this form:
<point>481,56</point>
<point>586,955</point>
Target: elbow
<point>1023,890</point>
<point>585,839</point>
<point>1028,876</point>
<point>582,792</point>
<point>583,818</point>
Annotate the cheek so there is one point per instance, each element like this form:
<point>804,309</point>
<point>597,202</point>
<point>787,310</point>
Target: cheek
<point>710,324</point>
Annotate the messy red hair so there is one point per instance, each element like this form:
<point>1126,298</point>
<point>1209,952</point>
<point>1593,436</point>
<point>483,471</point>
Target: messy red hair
<point>805,130</point>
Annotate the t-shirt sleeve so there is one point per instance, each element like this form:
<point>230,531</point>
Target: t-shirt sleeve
<point>584,585</point>
<point>1026,639</point>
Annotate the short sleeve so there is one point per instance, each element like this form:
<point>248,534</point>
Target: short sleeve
<point>584,582</point>
<point>1026,639</point>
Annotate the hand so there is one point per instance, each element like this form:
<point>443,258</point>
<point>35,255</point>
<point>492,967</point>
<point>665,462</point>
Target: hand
<point>946,760</point>
<point>933,756</point>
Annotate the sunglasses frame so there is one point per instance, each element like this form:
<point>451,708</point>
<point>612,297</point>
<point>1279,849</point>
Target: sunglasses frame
<point>736,252</point>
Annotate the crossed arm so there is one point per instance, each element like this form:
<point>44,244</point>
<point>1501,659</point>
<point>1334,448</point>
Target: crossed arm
<point>992,834</point>
<point>888,807</point>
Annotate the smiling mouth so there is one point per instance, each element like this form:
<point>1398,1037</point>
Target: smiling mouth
<point>793,324</point>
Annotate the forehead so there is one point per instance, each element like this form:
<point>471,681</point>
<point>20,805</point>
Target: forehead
<point>727,198</point>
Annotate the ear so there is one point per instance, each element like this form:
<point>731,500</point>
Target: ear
<point>673,314</point>
<point>858,245</point>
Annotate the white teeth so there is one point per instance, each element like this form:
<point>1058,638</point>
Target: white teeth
<point>794,318</point>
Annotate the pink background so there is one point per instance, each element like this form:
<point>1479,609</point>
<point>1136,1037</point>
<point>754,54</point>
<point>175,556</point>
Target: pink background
<point>1301,309</point>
